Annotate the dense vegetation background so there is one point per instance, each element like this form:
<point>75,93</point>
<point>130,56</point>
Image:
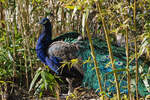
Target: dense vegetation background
<point>125,22</point>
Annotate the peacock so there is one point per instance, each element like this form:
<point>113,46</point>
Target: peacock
<point>68,46</point>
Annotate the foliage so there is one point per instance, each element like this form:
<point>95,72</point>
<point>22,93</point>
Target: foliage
<point>6,60</point>
<point>19,30</point>
<point>145,46</point>
<point>43,80</point>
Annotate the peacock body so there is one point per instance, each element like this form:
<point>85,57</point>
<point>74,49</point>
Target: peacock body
<point>68,46</point>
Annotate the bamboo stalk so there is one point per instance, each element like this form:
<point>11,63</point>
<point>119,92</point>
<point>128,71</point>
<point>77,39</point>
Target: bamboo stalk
<point>27,40</point>
<point>127,66</point>
<point>136,56</point>
<point>136,62</point>
<point>57,88</point>
<point>26,67</point>
<point>14,43</point>
<point>127,61</point>
<point>25,22</point>
<point>109,49</point>
<point>56,18</point>
<point>62,20</point>
<point>94,58</point>
<point>22,19</point>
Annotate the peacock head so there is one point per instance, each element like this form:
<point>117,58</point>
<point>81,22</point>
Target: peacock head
<point>44,21</point>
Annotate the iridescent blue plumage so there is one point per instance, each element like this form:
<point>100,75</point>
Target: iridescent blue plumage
<point>44,40</point>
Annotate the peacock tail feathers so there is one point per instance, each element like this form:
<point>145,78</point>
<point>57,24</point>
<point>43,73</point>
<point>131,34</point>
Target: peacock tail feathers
<point>102,57</point>
<point>68,37</point>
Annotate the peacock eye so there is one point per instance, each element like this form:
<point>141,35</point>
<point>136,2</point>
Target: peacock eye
<point>45,21</point>
<point>107,56</point>
<point>119,63</point>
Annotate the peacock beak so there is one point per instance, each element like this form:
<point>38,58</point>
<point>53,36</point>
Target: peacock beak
<point>43,22</point>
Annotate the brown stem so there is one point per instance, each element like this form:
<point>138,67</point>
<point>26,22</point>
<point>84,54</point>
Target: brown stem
<point>110,50</point>
<point>136,56</point>
<point>94,58</point>
<point>127,66</point>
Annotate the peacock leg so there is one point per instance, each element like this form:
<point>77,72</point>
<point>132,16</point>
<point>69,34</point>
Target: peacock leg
<point>70,88</point>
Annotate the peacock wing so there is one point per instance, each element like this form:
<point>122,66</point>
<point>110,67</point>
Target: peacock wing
<point>64,50</point>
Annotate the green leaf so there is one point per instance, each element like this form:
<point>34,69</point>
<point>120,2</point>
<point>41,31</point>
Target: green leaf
<point>35,78</point>
<point>116,70</point>
<point>74,11</point>
<point>108,64</point>
<point>2,82</point>
<point>73,7</point>
<point>43,74</point>
<point>38,83</point>
<point>88,61</point>
<point>70,7</point>
<point>10,57</point>
<point>50,77</point>
<point>42,88</point>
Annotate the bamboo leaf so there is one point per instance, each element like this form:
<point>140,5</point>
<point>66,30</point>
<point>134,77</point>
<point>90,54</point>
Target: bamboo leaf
<point>35,78</point>
<point>117,70</point>
<point>43,74</point>
<point>73,7</point>
<point>10,57</point>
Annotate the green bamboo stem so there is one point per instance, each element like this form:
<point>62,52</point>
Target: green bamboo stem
<point>25,64</point>
<point>136,62</point>
<point>25,20</point>
<point>13,42</point>
<point>110,50</point>
<point>26,38</point>
<point>136,56</point>
<point>127,66</point>
<point>62,20</point>
<point>23,31</point>
<point>94,58</point>
<point>127,61</point>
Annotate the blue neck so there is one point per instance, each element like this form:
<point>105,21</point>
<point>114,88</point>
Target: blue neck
<point>43,42</point>
<point>47,29</point>
<point>45,38</point>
